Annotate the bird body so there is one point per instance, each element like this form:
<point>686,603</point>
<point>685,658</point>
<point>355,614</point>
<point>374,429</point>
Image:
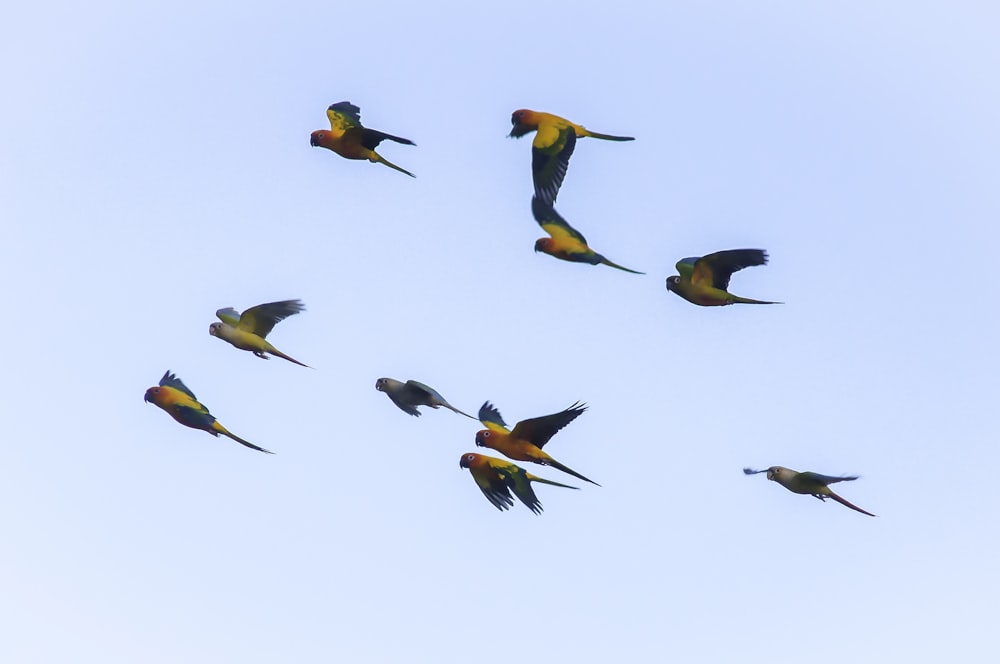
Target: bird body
<point>352,140</point>
<point>525,441</point>
<point>407,396</point>
<point>247,331</point>
<point>179,402</point>
<point>553,145</point>
<point>565,242</point>
<point>810,483</point>
<point>496,478</point>
<point>704,280</point>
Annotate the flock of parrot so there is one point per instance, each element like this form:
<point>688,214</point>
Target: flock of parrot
<point>703,281</point>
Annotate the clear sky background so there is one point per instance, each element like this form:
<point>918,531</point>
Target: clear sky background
<point>156,166</point>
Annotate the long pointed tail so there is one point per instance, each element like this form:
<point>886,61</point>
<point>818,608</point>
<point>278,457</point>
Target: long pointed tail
<point>535,478</point>
<point>605,261</point>
<point>847,504</point>
<point>565,469</point>
<point>383,160</point>
<point>456,410</point>
<point>225,432</point>
<point>275,351</point>
<point>746,300</point>
<point>607,137</point>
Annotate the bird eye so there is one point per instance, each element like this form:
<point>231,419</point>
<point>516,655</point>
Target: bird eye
<point>486,434</point>
<point>470,457</point>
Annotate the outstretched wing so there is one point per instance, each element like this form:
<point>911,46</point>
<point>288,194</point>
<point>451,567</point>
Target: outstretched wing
<point>539,430</point>
<point>825,479</point>
<point>491,418</point>
<point>343,116</point>
<point>493,485</point>
<point>423,394</point>
<point>261,319</point>
<point>171,380</point>
<point>717,268</point>
<point>553,223</point>
<point>550,153</point>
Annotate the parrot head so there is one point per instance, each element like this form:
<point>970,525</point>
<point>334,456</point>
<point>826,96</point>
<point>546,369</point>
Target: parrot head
<point>214,329</point>
<point>673,282</point>
<point>483,437</point>
<point>774,473</point>
<point>542,244</point>
<point>523,121</point>
<point>151,395</point>
<point>318,138</point>
<point>467,460</point>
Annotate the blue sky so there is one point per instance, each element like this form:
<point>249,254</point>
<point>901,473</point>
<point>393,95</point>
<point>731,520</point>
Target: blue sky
<point>156,167</point>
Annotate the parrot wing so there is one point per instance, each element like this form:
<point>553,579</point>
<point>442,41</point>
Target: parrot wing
<point>491,418</point>
<point>261,319</point>
<point>196,418</point>
<point>539,430</point>
<point>423,393</point>
<point>171,380</point>
<point>685,266</point>
<point>825,479</point>
<point>550,153</point>
<point>553,223</point>
<point>717,268</point>
<point>493,485</point>
<point>229,316</point>
<point>343,116</point>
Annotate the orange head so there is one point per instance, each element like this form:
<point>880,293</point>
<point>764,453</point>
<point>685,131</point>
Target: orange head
<point>524,121</point>
<point>483,438</point>
<point>469,460</point>
<point>153,395</point>
<point>544,244</point>
<point>320,138</point>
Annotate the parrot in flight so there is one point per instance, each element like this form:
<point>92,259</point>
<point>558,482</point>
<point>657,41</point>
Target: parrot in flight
<point>525,442</point>
<point>350,139</point>
<point>551,148</point>
<point>497,478</point>
<point>703,281</point>
<point>407,396</point>
<point>180,403</point>
<point>813,484</point>
<point>247,331</point>
<point>566,243</point>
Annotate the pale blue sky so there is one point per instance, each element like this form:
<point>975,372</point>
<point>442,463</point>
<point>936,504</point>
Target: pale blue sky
<point>156,166</point>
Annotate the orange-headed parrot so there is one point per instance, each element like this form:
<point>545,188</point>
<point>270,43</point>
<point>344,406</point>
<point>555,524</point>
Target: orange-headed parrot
<point>813,484</point>
<point>350,139</point>
<point>497,478</point>
<point>181,404</point>
<point>703,281</point>
<point>407,396</point>
<point>552,147</point>
<point>525,442</point>
<point>566,243</point>
<point>248,330</point>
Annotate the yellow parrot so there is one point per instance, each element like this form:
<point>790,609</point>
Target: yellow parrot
<point>496,478</point>
<point>565,242</point>
<point>350,139</point>
<point>551,148</point>
<point>247,331</point>
<point>525,442</point>
<point>703,281</point>
<point>179,402</point>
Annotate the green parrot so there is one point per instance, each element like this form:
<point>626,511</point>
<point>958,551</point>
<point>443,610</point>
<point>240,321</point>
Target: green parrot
<point>247,331</point>
<point>407,396</point>
<point>813,484</point>
<point>703,281</point>
<point>496,478</point>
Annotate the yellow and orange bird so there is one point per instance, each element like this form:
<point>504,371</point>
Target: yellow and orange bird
<point>526,441</point>
<point>496,478</point>
<point>566,243</point>
<point>180,403</point>
<point>350,139</point>
<point>551,148</point>
<point>248,331</point>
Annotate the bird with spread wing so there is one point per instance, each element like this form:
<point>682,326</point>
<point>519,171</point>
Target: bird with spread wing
<point>247,331</point>
<point>350,139</point>
<point>704,281</point>
<point>496,478</point>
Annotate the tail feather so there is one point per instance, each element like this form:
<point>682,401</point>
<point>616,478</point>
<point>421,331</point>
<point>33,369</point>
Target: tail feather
<point>277,352</point>
<point>566,469</point>
<point>225,432</point>
<point>383,160</point>
<point>608,137</point>
<point>456,410</point>
<point>535,478</point>
<point>605,261</point>
<point>746,300</point>
<point>847,504</point>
